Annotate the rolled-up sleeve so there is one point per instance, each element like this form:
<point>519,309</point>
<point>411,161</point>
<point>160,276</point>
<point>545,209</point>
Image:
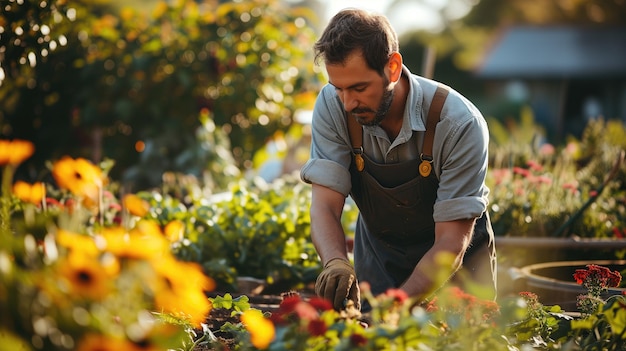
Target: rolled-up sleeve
<point>327,173</point>
<point>462,192</point>
<point>330,156</point>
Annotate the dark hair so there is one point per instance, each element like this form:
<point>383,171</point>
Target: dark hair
<point>353,29</point>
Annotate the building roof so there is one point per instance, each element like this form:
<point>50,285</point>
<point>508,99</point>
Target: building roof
<point>557,52</point>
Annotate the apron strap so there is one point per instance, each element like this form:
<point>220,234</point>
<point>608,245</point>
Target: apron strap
<point>433,118</point>
<point>355,131</point>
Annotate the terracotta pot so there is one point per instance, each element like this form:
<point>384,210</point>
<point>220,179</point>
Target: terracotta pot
<point>250,285</point>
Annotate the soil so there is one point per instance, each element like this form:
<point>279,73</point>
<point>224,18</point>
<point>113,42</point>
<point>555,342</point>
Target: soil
<point>218,317</point>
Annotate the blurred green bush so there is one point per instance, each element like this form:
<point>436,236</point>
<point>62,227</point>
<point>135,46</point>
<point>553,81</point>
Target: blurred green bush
<point>545,190</point>
<point>87,79</point>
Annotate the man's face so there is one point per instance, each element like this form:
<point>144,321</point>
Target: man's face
<point>365,95</point>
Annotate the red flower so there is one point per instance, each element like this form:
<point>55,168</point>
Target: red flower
<point>358,340</point>
<point>320,304</point>
<point>456,301</point>
<point>432,305</point>
<point>317,327</point>
<point>572,187</point>
<point>521,171</point>
<point>580,275</point>
<point>288,305</point>
<point>53,202</point>
<point>397,294</point>
<point>305,311</point>
<point>531,298</point>
<point>285,310</point>
<point>294,308</point>
<point>534,165</point>
<point>543,179</point>
<point>597,276</point>
<point>528,295</point>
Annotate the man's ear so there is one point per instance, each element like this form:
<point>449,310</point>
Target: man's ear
<point>395,66</point>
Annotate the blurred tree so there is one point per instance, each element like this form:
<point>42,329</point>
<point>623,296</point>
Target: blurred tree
<point>130,86</point>
<point>489,15</point>
<point>465,38</point>
<point>495,13</point>
<point>460,43</point>
<point>38,43</point>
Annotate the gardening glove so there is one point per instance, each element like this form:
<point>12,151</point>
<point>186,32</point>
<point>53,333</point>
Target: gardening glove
<point>337,283</point>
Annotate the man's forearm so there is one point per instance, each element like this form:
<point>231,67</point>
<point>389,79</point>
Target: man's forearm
<point>326,230</point>
<point>442,260</point>
<point>433,270</point>
<point>329,241</point>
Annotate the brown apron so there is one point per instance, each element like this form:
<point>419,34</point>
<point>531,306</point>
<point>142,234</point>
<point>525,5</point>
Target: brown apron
<point>395,227</point>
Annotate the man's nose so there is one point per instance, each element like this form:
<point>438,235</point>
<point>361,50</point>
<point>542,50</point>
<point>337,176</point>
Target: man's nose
<point>349,101</point>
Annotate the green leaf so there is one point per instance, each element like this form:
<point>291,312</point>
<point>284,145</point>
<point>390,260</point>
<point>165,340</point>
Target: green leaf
<point>10,342</point>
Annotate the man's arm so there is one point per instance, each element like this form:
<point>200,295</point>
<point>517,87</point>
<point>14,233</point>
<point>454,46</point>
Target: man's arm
<point>451,238</point>
<point>326,230</point>
<point>337,282</point>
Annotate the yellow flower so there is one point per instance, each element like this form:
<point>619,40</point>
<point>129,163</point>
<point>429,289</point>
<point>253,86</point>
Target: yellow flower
<point>127,13</point>
<point>160,9</point>
<point>79,176</point>
<point>136,205</point>
<point>77,243</point>
<point>182,290</point>
<point>85,276</point>
<point>143,242</point>
<point>174,230</point>
<point>15,152</point>
<point>261,329</point>
<point>29,193</point>
<point>99,342</point>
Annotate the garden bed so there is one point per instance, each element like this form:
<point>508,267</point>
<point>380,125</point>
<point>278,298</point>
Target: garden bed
<point>220,316</point>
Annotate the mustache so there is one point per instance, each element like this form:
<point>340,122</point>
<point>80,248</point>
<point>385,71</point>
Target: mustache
<point>361,110</point>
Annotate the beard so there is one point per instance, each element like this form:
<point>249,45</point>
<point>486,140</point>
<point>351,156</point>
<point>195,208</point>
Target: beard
<point>381,112</point>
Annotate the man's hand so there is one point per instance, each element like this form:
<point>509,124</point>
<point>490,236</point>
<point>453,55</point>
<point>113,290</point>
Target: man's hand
<point>337,282</point>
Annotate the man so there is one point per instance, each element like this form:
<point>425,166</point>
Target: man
<point>419,193</point>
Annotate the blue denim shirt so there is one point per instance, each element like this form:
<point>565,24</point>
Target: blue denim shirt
<point>460,149</point>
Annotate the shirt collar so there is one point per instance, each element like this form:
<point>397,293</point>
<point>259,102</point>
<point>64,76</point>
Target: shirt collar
<point>413,110</point>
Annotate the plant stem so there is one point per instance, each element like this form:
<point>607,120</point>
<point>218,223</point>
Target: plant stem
<point>5,203</point>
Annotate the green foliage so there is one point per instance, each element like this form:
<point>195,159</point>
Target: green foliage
<point>257,230</point>
<point>71,277</point>
<point>87,79</point>
<point>237,305</point>
<point>454,320</point>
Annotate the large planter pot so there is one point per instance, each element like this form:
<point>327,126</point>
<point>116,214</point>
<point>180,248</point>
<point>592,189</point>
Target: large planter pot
<point>554,282</point>
<point>516,252</point>
<point>523,251</point>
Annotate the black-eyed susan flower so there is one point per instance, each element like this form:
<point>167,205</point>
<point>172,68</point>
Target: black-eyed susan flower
<point>14,152</point>
<point>135,205</point>
<point>261,329</point>
<point>143,242</point>
<point>84,276</point>
<point>81,177</point>
<point>32,193</point>
<point>181,289</point>
<point>174,230</point>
